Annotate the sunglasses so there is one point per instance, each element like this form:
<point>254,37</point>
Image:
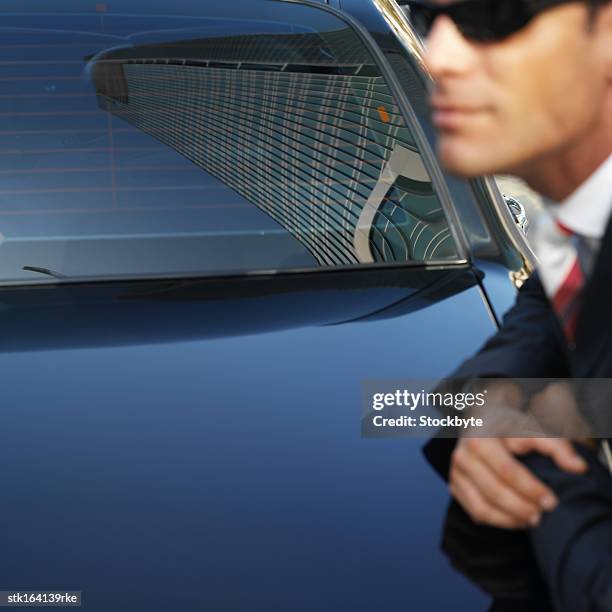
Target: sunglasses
<point>479,20</point>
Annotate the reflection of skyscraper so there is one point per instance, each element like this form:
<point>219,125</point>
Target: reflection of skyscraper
<point>305,129</point>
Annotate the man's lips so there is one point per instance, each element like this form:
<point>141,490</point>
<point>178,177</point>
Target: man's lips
<point>448,116</point>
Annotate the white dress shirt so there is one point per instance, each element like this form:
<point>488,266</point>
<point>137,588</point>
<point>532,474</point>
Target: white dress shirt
<point>587,210</point>
<point>586,213</point>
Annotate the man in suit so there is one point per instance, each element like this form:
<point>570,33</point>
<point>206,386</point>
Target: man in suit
<point>524,87</point>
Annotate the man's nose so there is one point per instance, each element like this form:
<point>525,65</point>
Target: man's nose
<point>447,52</point>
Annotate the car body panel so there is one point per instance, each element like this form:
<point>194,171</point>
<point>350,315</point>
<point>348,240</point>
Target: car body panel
<point>501,294</point>
<point>229,472</point>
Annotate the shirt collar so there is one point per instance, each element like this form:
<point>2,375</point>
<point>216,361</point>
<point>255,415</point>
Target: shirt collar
<point>586,211</point>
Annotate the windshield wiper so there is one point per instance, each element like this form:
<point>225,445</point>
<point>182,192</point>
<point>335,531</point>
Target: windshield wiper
<point>46,271</point>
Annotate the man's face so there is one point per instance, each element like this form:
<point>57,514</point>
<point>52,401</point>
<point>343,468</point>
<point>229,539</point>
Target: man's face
<point>499,107</point>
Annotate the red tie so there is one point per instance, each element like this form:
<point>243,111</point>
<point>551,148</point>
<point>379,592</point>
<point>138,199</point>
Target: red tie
<point>566,299</point>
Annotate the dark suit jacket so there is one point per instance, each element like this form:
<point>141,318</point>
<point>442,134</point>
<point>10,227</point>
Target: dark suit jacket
<point>530,344</point>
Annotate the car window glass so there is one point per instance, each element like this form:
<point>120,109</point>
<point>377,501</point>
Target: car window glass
<point>202,139</point>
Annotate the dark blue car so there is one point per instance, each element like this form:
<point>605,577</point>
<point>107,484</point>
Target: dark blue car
<point>218,219</point>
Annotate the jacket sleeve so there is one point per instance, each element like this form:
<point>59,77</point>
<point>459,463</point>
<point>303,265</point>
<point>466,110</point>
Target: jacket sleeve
<point>529,344</point>
<point>573,543</point>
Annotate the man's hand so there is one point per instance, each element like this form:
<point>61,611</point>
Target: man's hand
<point>496,489</point>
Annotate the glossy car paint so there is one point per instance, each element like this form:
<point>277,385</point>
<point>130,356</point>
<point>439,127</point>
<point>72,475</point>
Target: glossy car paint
<point>227,473</point>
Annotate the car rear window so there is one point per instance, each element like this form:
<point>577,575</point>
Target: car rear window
<point>201,138</point>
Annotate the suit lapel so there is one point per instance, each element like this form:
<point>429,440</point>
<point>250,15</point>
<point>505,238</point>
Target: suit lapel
<point>594,328</point>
